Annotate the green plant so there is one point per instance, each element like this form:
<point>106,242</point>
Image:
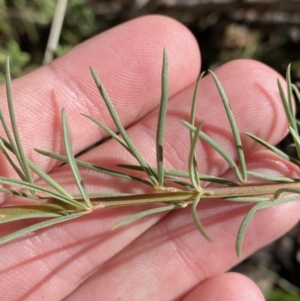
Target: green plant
<point>172,189</point>
<point>278,294</point>
<point>25,24</point>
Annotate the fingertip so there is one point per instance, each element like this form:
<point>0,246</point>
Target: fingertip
<point>226,287</point>
<point>134,51</point>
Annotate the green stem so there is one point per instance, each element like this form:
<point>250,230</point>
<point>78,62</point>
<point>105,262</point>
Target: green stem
<point>249,190</point>
<point>175,197</point>
<point>187,197</point>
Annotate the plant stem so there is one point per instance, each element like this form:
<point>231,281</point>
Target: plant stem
<point>248,190</point>
<point>187,197</point>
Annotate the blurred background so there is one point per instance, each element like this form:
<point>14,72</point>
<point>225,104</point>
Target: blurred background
<point>264,30</point>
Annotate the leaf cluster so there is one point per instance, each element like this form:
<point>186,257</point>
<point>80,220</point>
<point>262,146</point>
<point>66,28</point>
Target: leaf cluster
<point>172,189</point>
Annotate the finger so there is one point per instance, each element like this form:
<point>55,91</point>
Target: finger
<point>128,60</point>
<point>226,287</point>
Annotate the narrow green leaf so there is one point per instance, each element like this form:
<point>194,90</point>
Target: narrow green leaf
<point>215,145</point>
<point>196,218</point>
<point>245,223</point>
<point>10,214</point>
<point>36,188</point>
<point>234,128</point>
<point>95,167</point>
<point>161,121</point>
<point>10,160</point>
<point>72,161</point>
<point>39,226</point>
<point>250,214</point>
<point>144,213</point>
<point>49,180</point>
<point>296,91</point>
<point>296,139</point>
<point>19,193</point>
<point>247,199</point>
<point>184,174</point>
<point>289,89</point>
<point>186,185</point>
<point>288,107</point>
<point>194,102</point>
<point>43,175</point>
<point>270,177</point>
<point>274,149</point>
<point>213,179</point>
<point>121,129</point>
<point>192,163</point>
<point>279,192</point>
<point>108,131</point>
<point>295,136</point>
<point>287,199</point>
<point>288,110</point>
<point>102,195</point>
<point>11,142</point>
<point>21,155</point>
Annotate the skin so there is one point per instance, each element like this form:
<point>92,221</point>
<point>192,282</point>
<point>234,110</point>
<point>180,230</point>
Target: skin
<point>162,257</point>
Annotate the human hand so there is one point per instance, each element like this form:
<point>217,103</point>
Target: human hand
<point>162,257</point>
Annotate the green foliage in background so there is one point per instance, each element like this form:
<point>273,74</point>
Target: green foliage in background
<point>278,294</point>
<point>25,27</point>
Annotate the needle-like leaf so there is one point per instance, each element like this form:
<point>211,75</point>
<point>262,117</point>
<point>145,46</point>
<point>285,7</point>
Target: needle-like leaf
<point>196,218</point>
<point>296,91</point>
<point>234,128</point>
<point>274,149</point>
<point>250,214</point>
<point>4,145</point>
<point>289,89</point>
<point>267,177</point>
<point>108,131</point>
<point>192,163</point>
<point>286,105</point>
<point>245,223</point>
<point>281,191</point>
<point>39,189</point>
<point>194,174</point>
<point>247,199</point>
<point>10,160</point>
<point>161,122</point>
<point>215,145</point>
<point>194,102</point>
<point>10,214</point>
<point>296,138</point>
<point>97,168</point>
<point>121,129</point>
<point>19,149</point>
<point>38,226</point>
<point>144,213</point>
<point>13,147</point>
<point>72,161</point>
<point>184,174</point>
